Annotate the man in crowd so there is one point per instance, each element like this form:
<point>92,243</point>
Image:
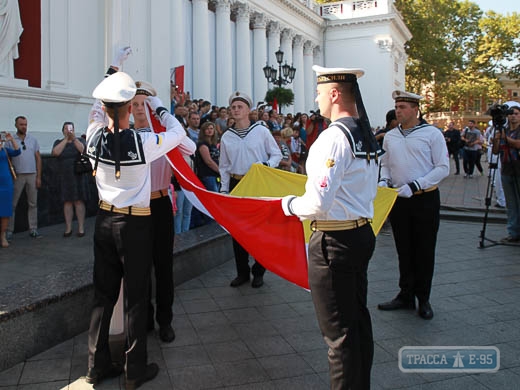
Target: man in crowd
<point>341,185</point>
<point>507,142</point>
<point>193,126</point>
<point>452,137</point>
<point>240,147</point>
<point>391,122</point>
<point>123,229</point>
<point>471,137</point>
<point>415,161</point>
<point>28,167</point>
<point>205,111</point>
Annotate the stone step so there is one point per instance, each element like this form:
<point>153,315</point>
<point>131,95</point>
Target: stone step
<point>36,315</point>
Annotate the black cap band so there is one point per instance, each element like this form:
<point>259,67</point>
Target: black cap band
<point>336,78</point>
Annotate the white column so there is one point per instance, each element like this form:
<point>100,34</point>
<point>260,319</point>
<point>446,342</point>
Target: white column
<point>201,65</point>
<point>308,75</point>
<point>243,54</point>
<point>160,48</point>
<point>299,80</point>
<point>318,60</point>
<point>178,33</point>
<point>259,57</point>
<point>117,30</point>
<point>273,40</point>
<point>58,44</point>
<point>287,47</point>
<point>223,52</point>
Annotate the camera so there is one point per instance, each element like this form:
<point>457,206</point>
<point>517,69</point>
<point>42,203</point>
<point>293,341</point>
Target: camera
<point>499,113</point>
<point>3,136</point>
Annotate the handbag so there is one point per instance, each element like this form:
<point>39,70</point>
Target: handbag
<point>82,165</point>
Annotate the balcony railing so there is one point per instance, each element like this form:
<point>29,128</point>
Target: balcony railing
<point>353,9</point>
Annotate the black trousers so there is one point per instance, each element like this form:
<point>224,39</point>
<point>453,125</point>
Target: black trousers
<point>122,250</point>
<point>241,255</point>
<point>455,154</point>
<point>338,263</point>
<point>162,241</point>
<point>469,160</point>
<point>415,223</point>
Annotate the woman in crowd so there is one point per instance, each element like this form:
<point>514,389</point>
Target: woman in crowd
<point>73,187</point>
<point>230,123</point>
<point>6,183</point>
<point>207,157</point>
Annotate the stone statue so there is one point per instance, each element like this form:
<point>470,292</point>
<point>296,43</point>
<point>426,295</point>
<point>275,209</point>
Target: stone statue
<point>10,31</point>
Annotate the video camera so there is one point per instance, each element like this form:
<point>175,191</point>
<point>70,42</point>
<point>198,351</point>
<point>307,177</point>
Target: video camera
<point>499,113</point>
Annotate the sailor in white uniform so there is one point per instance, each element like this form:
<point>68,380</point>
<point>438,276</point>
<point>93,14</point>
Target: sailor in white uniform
<point>415,161</point>
<point>122,236</point>
<point>162,216</point>
<point>342,169</point>
<point>241,146</point>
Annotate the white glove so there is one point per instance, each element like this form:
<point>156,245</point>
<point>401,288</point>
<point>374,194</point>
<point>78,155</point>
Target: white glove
<point>121,56</point>
<point>404,191</point>
<point>154,102</point>
<point>382,183</point>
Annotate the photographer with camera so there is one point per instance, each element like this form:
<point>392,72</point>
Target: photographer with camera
<point>507,142</point>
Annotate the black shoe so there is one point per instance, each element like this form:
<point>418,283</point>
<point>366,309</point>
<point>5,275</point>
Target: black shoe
<point>457,173</point>
<point>166,333</point>
<point>239,280</point>
<point>425,310</point>
<point>95,376</point>
<point>150,372</point>
<point>396,304</point>
<point>258,281</point>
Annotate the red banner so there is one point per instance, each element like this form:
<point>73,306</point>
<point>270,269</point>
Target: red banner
<point>259,225</point>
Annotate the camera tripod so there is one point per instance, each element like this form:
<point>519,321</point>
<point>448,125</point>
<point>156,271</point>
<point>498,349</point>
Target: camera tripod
<point>493,168</point>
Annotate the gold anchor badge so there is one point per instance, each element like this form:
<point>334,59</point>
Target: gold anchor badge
<point>330,163</point>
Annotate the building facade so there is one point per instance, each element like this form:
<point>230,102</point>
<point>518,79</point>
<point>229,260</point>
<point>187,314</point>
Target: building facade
<point>212,47</point>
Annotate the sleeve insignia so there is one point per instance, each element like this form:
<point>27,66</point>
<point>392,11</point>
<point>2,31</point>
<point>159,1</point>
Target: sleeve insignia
<point>330,163</point>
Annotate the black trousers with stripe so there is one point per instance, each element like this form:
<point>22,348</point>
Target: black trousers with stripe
<point>163,238</point>
<point>415,223</point>
<point>122,251</point>
<point>338,263</point>
<point>241,255</point>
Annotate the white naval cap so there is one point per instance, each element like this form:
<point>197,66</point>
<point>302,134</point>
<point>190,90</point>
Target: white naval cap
<point>403,96</point>
<point>145,88</point>
<point>241,97</point>
<point>337,75</point>
<point>116,88</point>
<point>512,104</point>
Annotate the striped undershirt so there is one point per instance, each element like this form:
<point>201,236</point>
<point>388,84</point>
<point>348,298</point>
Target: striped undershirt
<point>241,132</point>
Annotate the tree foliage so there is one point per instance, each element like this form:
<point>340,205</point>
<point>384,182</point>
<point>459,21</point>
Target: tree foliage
<point>284,96</point>
<point>457,52</point>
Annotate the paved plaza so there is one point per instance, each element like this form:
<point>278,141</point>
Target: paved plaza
<point>268,338</point>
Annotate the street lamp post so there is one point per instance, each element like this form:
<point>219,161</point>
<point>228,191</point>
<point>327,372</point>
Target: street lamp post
<point>284,74</point>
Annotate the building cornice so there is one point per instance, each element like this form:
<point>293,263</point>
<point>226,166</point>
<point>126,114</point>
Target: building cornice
<point>29,93</point>
<point>382,19</point>
<point>293,6</point>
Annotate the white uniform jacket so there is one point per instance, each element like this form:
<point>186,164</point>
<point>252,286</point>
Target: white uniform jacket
<point>238,154</point>
<point>420,159</point>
